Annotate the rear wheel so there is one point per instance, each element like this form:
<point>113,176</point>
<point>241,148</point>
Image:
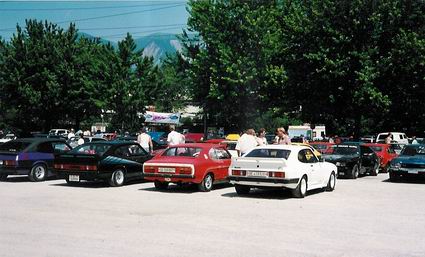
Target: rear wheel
<point>355,172</point>
<point>242,190</point>
<point>331,182</point>
<point>38,173</point>
<point>3,177</point>
<point>207,183</point>
<point>301,189</point>
<point>161,185</point>
<point>375,170</point>
<point>117,179</point>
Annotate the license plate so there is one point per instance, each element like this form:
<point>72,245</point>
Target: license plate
<point>74,178</point>
<point>257,173</point>
<point>341,173</point>
<point>167,170</point>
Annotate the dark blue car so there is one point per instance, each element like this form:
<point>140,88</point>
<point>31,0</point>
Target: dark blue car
<point>410,162</point>
<point>33,157</point>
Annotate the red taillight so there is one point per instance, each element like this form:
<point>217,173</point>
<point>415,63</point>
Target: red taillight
<point>9,163</point>
<point>239,172</point>
<point>185,170</point>
<point>276,174</point>
<point>75,167</point>
<point>149,169</point>
<point>91,167</point>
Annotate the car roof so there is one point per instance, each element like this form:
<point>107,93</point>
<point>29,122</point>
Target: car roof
<point>38,139</point>
<point>283,147</point>
<point>113,142</point>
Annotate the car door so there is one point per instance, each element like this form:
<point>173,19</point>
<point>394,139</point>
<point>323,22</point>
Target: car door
<point>225,158</point>
<point>215,164</point>
<point>45,152</point>
<point>316,175</point>
<point>368,158</point>
<point>136,156</point>
<point>305,165</point>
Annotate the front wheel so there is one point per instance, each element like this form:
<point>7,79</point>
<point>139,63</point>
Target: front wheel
<point>38,173</point>
<point>117,179</point>
<point>207,183</point>
<point>242,190</point>
<point>301,189</point>
<point>355,172</point>
<point>375,170</point>
<point>331,182</point>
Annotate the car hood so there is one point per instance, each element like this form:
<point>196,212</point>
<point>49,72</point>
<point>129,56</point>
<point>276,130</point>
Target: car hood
<point>416,159</point>
<point>339,158</point>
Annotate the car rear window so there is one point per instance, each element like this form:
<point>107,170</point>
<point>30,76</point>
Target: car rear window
<point>98,149</point>
<point>269,153</point>
<point>183,151</point>
<point>14,146</point>
<point>345,149</point>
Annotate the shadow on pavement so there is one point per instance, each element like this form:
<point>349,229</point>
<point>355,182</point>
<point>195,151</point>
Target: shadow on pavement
<point>407,180</point>
<point>185,188</point>
<point>23,179</point>
<point>96,184</point>
<point>270,194</point>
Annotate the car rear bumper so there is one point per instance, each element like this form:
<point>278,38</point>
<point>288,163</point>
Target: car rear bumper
<point>14,171</point>
<point>408,172</point>
<point>265,182</point>
<point>173,178</point>
<point>85,175</point>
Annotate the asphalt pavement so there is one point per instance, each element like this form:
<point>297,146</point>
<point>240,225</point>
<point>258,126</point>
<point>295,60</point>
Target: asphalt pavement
<point>365,217</point>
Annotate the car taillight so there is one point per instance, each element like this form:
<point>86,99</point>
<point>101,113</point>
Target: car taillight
<point>185,170</point>
<point>9,163</point>
<point>91,167</point>
<point>239,172</point>
<point>58,166</point>
<point>149,169</point>
<point>276,174</point>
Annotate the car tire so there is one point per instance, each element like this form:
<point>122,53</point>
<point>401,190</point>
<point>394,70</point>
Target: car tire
<point>242,189</point>
<point>160,185</point>
<point>3,177</point>
<point>207,183</point>
<point>355,172</point>
<point>375,170</point>
<point>38,173</point>
<point>301,189</point>
<point>117,178</point>
<point>331,183</point>
<point>394,177</point>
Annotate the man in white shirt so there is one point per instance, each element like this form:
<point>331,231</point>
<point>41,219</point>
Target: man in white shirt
<point>71,134</point>
<point>246,142</point>
<point>145,141</point>
<point>174,137</point>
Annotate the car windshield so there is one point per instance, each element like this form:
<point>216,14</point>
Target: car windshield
<point>98,149</point>
<point>14,146</point>
<point>269,153</point>
<point>183,151</point>
<point>413,150</point>
<point>376,148</point>
<point>345,149</point>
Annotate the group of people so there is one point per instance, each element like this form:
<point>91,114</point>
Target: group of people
<point>173,138</point>
<point>250,140</point>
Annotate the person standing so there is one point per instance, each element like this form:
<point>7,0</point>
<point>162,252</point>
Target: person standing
<point>261,139</point>
<point>246,142</point>
<point>388,138</point>
<point>71,134</point>
<point>174,137</point>
<point>414,141</point>
<point>81,140</point>
<point>282,138</point>
<point>145,140</point>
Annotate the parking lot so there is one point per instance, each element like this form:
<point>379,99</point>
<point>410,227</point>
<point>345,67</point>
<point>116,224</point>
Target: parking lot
<point>364,217</point>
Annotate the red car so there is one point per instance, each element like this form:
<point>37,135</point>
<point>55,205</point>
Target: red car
<point>193,137</point>
<point>201,164</point>
<point>323,147</point>
<point>385,153</point>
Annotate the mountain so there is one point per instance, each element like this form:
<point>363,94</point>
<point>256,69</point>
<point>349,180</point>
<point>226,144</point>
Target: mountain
<point>103,41</point>
<point>158,45</point>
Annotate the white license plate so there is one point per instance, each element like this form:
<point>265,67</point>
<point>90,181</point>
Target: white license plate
<point>258,173</point>
<point>167,170</point>
<point>341,173</point>
<point>74,178</point>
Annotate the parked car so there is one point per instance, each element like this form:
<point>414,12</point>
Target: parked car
<point>411,162</point>
<point>322,147</point>
<point>73,141</point>
<point>396,137</point>
<point>315,151</point>
<point>7,138</point>
<point>112,161</point>
<point>33,157</point>
<point>385,153</point>
<point>397,148</point>
<point>59,132</point>
<point>202,164</point>
<point>354,159</point>
<point>293,167</point>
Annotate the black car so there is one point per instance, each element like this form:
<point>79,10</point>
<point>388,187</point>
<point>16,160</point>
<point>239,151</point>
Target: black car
<point>112,161</point>
<point>353,159</point>
<point>33,157</point>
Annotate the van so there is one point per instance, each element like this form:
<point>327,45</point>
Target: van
<point>396,137</point>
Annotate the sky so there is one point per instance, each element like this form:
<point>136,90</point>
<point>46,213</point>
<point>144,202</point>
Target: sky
<point>107,19</point>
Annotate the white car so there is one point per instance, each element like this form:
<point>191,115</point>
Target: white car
<point>396,137</point>
<point>282,166</point>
